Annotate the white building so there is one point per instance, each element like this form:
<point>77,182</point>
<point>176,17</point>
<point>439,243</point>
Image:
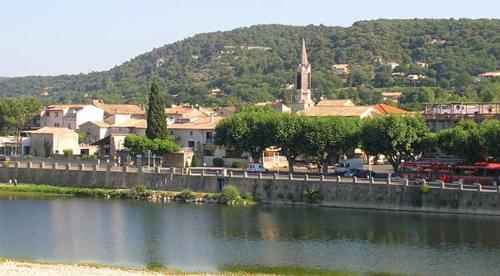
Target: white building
<point>70,116</point>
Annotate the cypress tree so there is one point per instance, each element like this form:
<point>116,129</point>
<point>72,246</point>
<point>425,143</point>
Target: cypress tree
<point>157,121</point>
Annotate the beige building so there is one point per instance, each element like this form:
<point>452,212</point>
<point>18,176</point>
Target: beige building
<point>48,141</point>
<point>277,105</point>
<point>340,69</point>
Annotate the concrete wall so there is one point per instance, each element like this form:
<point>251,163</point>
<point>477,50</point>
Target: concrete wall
<point>279,191</point>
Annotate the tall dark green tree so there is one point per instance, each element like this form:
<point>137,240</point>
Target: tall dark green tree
<point>157,121</point>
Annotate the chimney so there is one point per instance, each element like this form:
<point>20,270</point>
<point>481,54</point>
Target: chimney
<point>211,119</point>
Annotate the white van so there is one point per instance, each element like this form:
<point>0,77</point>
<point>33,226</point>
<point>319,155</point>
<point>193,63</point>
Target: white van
<point>255,167</point>
<point>348,165</point>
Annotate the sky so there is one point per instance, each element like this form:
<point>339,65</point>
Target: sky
<point>53,37</point>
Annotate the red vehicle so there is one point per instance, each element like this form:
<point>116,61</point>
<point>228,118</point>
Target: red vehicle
<point>452,171</point>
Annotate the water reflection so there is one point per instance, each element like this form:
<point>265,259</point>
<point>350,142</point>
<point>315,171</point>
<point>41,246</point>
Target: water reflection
<point>207,237</point>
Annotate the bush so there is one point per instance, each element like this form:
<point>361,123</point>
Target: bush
<point>68,153</point>
<point>312,195</point>
<point>195,162</point>
<point>218,162</point>
<point>230,193</point>
<point>185,194</point>
<point>424,188</point>
<point>87,157</point>
<point>140,191</point>
<point>5,164</point>
<point>237,164</point>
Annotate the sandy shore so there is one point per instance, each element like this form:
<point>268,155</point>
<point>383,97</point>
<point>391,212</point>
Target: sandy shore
<point>15,268</point>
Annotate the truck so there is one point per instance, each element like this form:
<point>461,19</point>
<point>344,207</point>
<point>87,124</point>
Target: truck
<point>353,164</point>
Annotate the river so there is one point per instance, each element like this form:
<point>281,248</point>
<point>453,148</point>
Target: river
<point>211,237</point>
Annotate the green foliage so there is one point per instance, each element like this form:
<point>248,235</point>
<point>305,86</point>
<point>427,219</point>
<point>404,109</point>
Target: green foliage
<point>82,137</point>
<point>237,164</point>
<point>195,162</point>
<point>68,153</point>
<point>185,194</point>
<point>230,193</point>
<point>47,148</point>
<point>16,113</point>
<point>87,157</point>
<point>471,141</point>
<point>312,195</point>
<point>140,191</point>
<point>218,162</point>
<point>397,137</point>
<point>202,62</point>
<point>138,144</point>
<point>424,189</point>
<point>156,118</point>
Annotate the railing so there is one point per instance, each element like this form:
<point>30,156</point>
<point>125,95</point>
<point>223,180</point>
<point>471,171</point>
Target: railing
<point>233,173</point>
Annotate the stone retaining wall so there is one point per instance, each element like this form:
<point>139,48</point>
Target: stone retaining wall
<point>394,196</point>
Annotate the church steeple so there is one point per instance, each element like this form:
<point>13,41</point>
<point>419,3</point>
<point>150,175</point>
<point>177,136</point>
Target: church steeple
<point>303,56</point>
<point>303,82</point>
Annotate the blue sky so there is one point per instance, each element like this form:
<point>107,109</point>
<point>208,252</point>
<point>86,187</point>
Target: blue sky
<point>54,37</point>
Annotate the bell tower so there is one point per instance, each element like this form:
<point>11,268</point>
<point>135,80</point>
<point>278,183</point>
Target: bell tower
<point>303,82</point>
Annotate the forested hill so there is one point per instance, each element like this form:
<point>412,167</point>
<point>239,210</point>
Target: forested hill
<point>256,64</point>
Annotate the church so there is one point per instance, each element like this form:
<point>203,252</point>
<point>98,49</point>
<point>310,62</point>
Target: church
<point>303,98</point>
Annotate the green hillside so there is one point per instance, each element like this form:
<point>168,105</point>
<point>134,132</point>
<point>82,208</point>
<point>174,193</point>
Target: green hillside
<point>255,64</point>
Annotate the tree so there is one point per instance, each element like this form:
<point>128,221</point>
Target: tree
<point>397,137</point>
<point>138,144</point>
<point>326,138</point>
<point>463,140</point>
<point>290,136</point>
<point>250,130</point>
<point>156,119</point>
<point>490,136</point>
<point>16,113</point>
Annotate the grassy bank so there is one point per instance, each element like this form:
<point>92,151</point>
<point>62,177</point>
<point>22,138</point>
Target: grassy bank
<point>229,196</point>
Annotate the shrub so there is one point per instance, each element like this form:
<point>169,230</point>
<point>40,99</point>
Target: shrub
<point>5,164</point>
<point>195,162</point>
<point>185,194</point>
<point>247,197</point>
<point>312,195</point>
<point>87,157</point>
<point>68,153</point>
<point>218,162</point>
<point>424,188</point>
<point>140,191</point>
<point>230,193</point>
<point>237,164</point>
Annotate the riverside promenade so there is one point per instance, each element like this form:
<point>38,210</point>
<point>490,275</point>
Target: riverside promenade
<point>275,188</point>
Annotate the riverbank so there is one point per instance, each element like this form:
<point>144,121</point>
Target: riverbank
<point>23,268</point>
<point>229,196</point>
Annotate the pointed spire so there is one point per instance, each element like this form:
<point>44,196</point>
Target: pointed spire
<point>303,57</point>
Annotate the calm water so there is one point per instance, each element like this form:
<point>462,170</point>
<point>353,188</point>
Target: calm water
<point>209,237</point>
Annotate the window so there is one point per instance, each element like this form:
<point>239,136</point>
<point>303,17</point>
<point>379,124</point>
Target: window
<point>209,135</point>
<point>191,144</point>
<point>69,126</point>
<point>233,154</point>
<point>208,152</point>
<point>171,132</point>
<point>56,125</point>
<point>190,133</point>
<point>56,114</point>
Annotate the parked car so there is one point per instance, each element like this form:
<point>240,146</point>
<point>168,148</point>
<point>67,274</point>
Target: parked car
<point>256,167</point>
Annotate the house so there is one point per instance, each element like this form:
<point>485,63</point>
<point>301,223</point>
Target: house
<point>185,113</point>
<point>345,111</point>
<point>115,113</point>
<point>489,75</point>
<point>393,65</point>
<point>70,116</point>
<point>386,109</point>
<point>340,69</point>
<point>198,137</point>
<point>49,141</point>
<point>326,102</point>
<point>112,142</point>
<point>94,131</point>
<point>422,64</point>
<point>415,77</point>
<point>392,96</point>
<point>277,105</point>
<point>226,111</point>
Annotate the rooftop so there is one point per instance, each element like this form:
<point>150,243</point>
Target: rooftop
<point>119,108</point>
<point>52,130</point>
<point>203,123</point>
<point>348,111</point>
<point>134,123</point>
<point>388,109</point>
<point>331,103</point>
